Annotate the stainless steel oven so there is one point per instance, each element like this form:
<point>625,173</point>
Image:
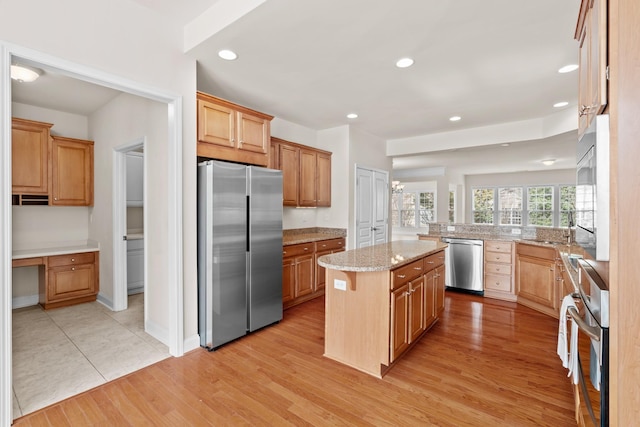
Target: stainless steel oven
<point>592,319</point>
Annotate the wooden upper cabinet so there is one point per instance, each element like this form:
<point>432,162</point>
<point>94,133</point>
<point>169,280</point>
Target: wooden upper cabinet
<point>323,180</point>
<point>30,157</point>
<point>227,131</point>
<point>71,172</point>
<point>306,173</point>
<point>308,178</point>
<point>591,33</point>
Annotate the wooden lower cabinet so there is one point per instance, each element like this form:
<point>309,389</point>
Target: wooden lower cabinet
<point>302,278</point>
<point>498,270</point>
<point>439,289</point>
<point>536,284</point>
<point>70,279</point>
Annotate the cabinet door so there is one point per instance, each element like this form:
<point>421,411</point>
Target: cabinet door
<point>307,178</point>
<point>72,172</point>
<point>289,164</point>
<point>288,279</point>
<point>320,272</point>
<point>71,281</point>
<point>597,23</point>
<point>216,124</point>
<point>429,298</point>
<point>323,190</point>
<point>253,133</point>
<point>439,285</point>
<point>304,275</point>
<point>536,280</point>
<point>416,308</point>
<point>274,155</point>
<point>583,82</point>
<point>29,157</point>
<point>399,317</point>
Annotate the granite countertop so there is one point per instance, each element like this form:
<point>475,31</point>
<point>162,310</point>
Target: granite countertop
<point>383,257</point>
<point>62,249</point>
<point>294,239</point>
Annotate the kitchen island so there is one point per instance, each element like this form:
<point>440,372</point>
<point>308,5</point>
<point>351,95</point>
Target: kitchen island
<point>380,300</point>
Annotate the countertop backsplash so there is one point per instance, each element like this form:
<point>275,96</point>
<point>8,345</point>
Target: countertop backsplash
<point>558,235</point>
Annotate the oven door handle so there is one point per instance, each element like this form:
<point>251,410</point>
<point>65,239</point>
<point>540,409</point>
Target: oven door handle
<point>589,330</point>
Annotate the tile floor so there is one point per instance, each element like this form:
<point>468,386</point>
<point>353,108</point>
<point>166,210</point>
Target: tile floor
<point>62,352</point>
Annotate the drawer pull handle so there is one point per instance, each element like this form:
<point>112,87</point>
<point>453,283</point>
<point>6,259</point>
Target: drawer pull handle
<point>431,262</point>
<point>417,268</point>
<point>401,276</point>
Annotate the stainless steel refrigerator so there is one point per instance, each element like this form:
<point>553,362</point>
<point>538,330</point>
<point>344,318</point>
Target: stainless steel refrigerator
<point>239,250</point>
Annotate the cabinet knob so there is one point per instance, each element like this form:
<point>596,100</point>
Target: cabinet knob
<point>306,249</point>
<point>73,269</point>
<point>55,198</point>
<point>73,260</point>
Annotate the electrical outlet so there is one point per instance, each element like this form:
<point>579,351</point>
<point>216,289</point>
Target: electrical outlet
<point>340,284</point>
<point>516,231</point>
<point>451,228</point>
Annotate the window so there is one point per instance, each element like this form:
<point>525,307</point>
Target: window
<point>567,204</point>
<point>483,205</point>
<point>510,206</point>
<point>413,209</point>
<point>452,206</point>
<point>540,206</point>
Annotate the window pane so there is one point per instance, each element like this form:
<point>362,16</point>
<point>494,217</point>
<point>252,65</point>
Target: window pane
<point>427,208</point>
<point>567,204</point>
<point>483,200</point>
<point>452,206</point>
<point>540,206</point>
<point>510,205</point>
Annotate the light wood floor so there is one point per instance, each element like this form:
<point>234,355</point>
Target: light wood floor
<point>485,363</point>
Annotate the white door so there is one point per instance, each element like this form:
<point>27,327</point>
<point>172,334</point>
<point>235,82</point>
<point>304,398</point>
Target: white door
<point>372,199</point>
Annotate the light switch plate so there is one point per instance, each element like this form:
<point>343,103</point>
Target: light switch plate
<point>516,231</point>
<point>340,284</point>
<point>451,228</point>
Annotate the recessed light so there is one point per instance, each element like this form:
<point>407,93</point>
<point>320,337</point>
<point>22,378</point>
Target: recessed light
<point>352,116</point>
<point>548,162</point>
<point>560,104</point>
<point>505,144</point>
<point>404,63</point>
<point>455,118</point>
<point>227,54</point>
<point>568,68</point>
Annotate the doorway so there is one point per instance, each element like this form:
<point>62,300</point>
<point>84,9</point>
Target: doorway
<point>173,194</point>
<point>372,206</point>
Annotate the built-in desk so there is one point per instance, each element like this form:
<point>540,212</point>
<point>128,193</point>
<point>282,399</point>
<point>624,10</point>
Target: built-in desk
<point>66,274</point>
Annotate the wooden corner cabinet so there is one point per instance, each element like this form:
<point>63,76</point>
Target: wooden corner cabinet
<point>30,161</point>
<point>498,270</point>
<point>227,131</point>
<point>306,173</point>
<point>302,278</point>
<point>71,171</point>
<point>536,284</point>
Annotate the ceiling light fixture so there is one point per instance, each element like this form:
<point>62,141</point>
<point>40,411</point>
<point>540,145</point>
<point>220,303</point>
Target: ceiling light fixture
<point>228,55</point>
<point>548,162</point>
<point>404,63</point>
<point>455,118</point>
<point>505,144</point>
<point>560,104</point>
<point>23,73</point>
<point>568,68</point>
<point>352,116</point>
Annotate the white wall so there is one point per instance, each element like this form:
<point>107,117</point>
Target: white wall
<point>64,124</point>
<point>125,119</point>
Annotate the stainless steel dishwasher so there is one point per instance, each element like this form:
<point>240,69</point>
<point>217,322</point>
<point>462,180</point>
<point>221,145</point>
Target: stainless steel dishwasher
<point>464,264</point>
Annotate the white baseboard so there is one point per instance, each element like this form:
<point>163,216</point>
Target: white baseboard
<point>105,301</point>
<point>158,332</point>
<point>191,343</point>
<point>27,301</point>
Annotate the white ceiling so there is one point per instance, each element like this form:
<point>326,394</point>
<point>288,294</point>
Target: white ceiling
<point>311,63</point>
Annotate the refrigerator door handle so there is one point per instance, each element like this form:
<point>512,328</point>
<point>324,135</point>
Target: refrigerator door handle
<point>248,239</point>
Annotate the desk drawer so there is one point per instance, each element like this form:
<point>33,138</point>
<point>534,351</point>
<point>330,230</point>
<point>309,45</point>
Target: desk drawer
<point>71,259</point>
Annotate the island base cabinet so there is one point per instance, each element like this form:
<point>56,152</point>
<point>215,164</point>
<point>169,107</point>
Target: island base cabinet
<point>357,320</point>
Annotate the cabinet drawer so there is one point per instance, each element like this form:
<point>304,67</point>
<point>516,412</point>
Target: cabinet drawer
<point>493,268</point>
<point>72,259</point>
<point>330,245</point>
<point>493,246</point>
<point>496,282</point>
<point>406,273</point>
<point>295,250</point>
<point>536,251</point>
<point>432,261</point>
<point>497,257</point>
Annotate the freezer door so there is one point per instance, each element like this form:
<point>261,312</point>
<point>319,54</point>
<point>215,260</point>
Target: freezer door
<point>264,264</point>
<point>222,256</point>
